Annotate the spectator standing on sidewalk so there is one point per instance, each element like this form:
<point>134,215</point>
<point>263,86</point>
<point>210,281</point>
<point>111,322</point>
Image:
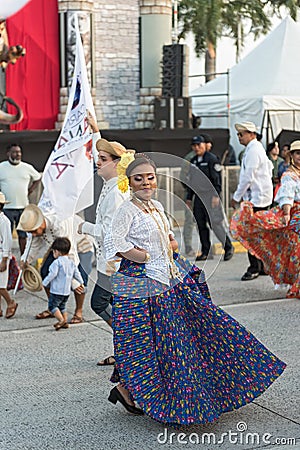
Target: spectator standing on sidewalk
<point>273,155</point>
<point>205,178</point>
<point>17,181</point>
<point>5,253</point>
<point>208,142</point>
<point>285,154</point>
<point>255,184</point>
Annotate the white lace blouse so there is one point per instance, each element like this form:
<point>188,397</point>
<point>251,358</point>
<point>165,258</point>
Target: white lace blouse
<point>131,227</point>
<point>289,191</point>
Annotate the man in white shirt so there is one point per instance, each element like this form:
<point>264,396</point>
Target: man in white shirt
<point>44,229</point>
<point>255,183</point>
<point>17,180</point>
<point>110,199</point>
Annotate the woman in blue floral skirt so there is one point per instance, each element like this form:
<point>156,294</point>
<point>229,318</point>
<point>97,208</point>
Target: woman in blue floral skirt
<point>179,356</point>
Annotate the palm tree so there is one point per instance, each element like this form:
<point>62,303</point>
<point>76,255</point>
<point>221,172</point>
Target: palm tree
<point>208,20</point>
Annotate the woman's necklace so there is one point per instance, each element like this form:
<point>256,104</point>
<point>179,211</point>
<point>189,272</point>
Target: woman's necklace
<point>146,205</point>
<point>149,207</point>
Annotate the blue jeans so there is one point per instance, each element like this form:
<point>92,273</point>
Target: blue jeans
<point>57,301</point>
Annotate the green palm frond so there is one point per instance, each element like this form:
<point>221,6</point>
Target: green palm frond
<point>208,20</point>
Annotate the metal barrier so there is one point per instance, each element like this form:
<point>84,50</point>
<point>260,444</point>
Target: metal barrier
<point>172,193</point>
<point>230,179</point>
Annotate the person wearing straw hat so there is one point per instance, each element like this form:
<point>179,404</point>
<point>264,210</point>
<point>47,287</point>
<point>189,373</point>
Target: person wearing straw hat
<point>255,184</point>
<point>5,253</point>
<point>45,228</point>
<point>109,156</point>
<point>274,236</point>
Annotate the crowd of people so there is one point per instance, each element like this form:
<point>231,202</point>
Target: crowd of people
<point>272,234</point>
<point>178,358</point>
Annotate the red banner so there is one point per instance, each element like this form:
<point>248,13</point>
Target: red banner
<point>34,81</point>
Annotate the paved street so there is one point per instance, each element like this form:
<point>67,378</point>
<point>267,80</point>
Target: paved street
<point>53,396</point>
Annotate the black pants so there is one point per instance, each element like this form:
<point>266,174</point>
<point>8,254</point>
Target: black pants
<point>256,265</point>
<point>101,299</point>
<point>204,221</point>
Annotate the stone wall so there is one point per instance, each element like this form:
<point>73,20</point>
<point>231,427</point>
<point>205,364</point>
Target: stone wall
<point>120,101</point>
<point>117,62</point>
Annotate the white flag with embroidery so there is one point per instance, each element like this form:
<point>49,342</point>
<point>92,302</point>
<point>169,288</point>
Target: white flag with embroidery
<point>68,174</point>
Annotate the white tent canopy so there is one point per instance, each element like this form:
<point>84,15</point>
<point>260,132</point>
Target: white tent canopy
<point>265,82</point>
<point>10,7</point>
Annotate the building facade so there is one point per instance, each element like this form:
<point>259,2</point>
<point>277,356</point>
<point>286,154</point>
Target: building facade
<point>123,44</point>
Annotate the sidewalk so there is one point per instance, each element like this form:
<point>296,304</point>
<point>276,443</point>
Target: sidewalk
<point>53,396</point>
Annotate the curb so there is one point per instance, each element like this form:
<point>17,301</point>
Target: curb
<point>217,248</point>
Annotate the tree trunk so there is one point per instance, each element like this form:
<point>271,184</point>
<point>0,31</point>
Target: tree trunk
<point>210,62</point>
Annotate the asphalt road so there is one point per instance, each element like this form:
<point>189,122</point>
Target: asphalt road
<point>54,396</point>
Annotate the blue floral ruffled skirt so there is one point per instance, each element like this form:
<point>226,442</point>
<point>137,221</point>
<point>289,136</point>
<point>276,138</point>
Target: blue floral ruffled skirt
<point>182,358</point>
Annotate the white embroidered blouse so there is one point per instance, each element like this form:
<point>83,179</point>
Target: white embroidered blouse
<point>131,227</point>
<point>289,191</point>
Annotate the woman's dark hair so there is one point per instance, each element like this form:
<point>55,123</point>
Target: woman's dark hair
<point>207,138</point>
<point>270,147</point>
<point>62,244</point>
<point>140,159</point>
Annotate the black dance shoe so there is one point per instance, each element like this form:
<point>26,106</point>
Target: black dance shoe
<point>249,276</point>
<point>204,257</point>
<point>115,395</point>
<point>228,254</point>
